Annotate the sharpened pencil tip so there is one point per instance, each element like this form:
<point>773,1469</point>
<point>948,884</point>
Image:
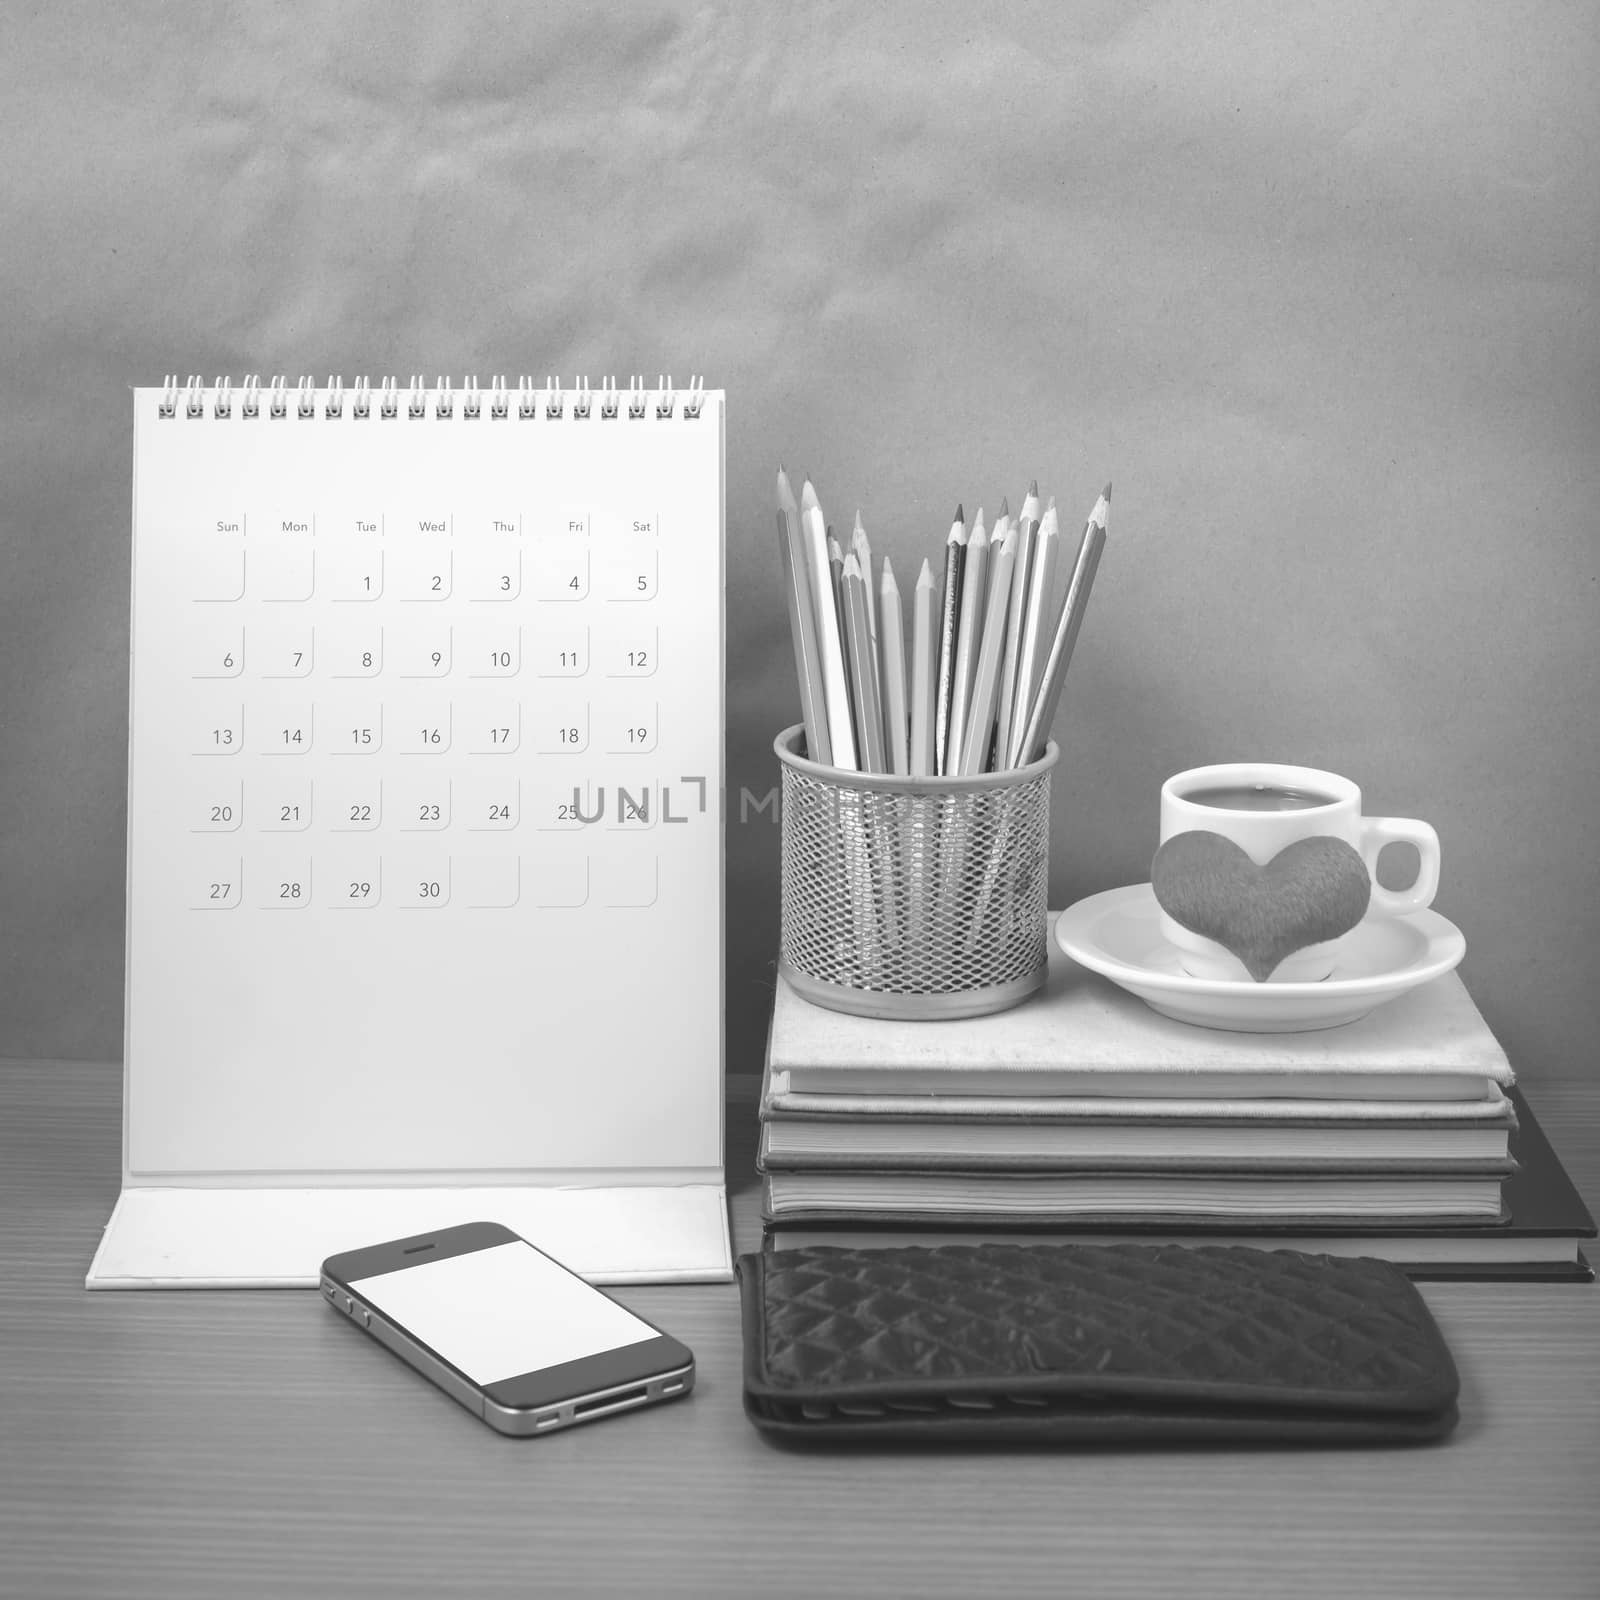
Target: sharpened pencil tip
<point>1106,493</point>
<point>925,578</point>
<point>1033,488</point>
<point>808,496</point>
<point>858,528</point>
<point>852,567</point>
<point>1005,505</point>
<point>961,515</point>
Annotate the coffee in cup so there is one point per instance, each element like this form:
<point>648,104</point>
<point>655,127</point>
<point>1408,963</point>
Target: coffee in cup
<point>1263,807</point>
<point>1258,797</point>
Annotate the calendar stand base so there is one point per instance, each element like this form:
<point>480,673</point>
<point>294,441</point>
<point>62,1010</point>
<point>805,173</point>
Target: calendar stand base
<point>277,1238</point>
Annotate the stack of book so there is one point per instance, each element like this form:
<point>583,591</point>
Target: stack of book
<point>1084,1114</point>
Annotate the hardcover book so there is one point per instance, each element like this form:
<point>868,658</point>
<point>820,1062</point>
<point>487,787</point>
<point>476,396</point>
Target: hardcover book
<point>1545,1223</point>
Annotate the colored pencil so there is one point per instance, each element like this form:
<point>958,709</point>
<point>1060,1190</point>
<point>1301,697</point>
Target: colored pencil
<point>1027,525</point>
<point>1030,504</point>
<point>1002,526</point>
<point>986,682</point>
<point>863,674</point>
<point>924,672</point>
<point>830,640</point>
<point>863,554</point>
<point>862,551</point>
<point>1073,606</point>
<point>974,594</point>
<point>836,573</point>
<point>997,535</point>
<point>802,624</point>
<point>1030,657</point>
<point>955,551</point>
<point>892,672</point>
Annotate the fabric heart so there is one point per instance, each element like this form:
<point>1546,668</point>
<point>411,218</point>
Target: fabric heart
<point>1312,890</point>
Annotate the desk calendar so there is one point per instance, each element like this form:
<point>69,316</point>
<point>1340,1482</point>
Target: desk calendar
<point>425,827</point>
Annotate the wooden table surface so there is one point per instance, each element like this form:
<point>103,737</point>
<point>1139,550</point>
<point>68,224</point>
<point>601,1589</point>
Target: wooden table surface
<point>242,1443</point>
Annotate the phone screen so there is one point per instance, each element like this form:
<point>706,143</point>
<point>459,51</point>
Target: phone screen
<point>494,1314</point>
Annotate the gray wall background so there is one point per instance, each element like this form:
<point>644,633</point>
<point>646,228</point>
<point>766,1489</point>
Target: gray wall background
<point>1314,285</point>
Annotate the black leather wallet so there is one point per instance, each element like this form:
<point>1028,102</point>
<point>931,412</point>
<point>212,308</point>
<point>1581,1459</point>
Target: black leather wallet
<point>1118,1343</point>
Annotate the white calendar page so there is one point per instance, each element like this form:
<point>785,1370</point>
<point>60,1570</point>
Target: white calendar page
<point>425,795</point>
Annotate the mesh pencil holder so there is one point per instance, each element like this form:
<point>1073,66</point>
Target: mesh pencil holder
<point>913,898</point>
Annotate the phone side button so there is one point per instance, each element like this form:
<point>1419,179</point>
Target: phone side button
<point>363,1316</point>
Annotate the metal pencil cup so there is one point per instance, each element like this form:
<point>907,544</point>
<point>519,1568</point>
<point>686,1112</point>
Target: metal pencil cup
<point>915,898</point>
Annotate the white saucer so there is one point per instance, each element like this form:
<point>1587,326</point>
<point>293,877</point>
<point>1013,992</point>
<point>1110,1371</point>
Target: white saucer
<point>1117,934</point>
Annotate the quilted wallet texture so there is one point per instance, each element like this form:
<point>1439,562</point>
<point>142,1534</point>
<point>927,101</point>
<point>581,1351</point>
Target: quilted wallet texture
<point>1128,1343</point>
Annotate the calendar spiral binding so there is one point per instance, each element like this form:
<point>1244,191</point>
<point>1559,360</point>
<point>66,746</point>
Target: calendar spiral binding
<point>386,400</point>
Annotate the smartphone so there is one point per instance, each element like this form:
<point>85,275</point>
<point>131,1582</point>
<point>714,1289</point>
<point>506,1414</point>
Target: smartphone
<point>501,1327</point>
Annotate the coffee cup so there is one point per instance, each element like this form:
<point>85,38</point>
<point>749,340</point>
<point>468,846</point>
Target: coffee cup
<point>1262,807</point>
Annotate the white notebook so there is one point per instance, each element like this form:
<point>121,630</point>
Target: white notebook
<point>424,826</point>
<point>1082,1036</point>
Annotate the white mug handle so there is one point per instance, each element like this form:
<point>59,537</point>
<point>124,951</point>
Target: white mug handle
<point>1376,832</point>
